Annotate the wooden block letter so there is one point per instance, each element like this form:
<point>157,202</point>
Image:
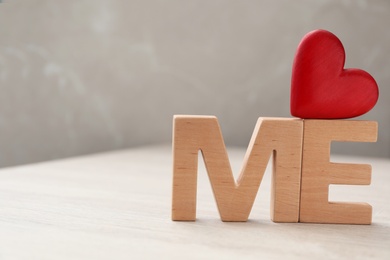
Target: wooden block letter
<point>282,137</point>
<point>318,172</point>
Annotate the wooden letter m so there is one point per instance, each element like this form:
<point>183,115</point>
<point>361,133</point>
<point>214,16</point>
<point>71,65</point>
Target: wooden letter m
<point>280,137</point>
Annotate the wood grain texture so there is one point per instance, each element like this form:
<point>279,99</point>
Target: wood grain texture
<point>278,136</point>
<point>117,205</point>
<point>320,86</point>
<point>318,172</point>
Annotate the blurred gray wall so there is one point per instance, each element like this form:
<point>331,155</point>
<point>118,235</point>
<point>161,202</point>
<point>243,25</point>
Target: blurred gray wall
<point>80,77</point>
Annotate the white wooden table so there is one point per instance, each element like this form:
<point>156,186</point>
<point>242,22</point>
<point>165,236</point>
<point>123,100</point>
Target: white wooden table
<point>117,206</point>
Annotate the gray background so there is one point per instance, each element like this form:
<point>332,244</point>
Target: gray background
<point>80,77</point>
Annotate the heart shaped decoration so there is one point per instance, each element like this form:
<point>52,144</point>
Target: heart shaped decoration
<point>320,86</point>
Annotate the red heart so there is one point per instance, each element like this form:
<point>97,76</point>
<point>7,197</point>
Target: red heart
<point>320,86</point>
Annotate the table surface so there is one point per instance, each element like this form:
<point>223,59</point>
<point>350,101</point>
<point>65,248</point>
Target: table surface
<point>117,206</point>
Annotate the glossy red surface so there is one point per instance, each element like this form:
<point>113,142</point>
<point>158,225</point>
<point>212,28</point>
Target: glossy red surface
<point>320,86</point>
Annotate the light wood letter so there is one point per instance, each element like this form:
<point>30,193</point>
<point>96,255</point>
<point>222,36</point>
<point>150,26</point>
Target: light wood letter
<point>318,172</point>
<point>281,137</point>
